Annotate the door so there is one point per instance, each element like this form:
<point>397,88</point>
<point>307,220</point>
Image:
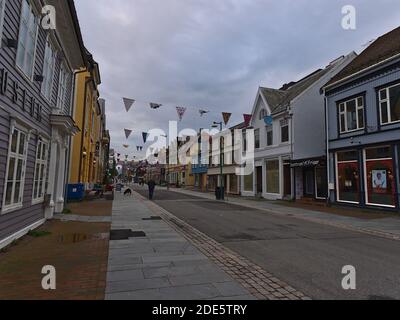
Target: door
<point>259,180</point>
<point>321,182</point>
<point>287,180</point>
<point>309,182</point>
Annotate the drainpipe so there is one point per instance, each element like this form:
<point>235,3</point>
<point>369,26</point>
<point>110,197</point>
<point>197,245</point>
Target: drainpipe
<point>69,154</point>
<point>327,147</point>
<point>87,81</point>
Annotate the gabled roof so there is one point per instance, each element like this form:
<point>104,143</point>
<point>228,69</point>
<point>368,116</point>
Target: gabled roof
<point>279,99</point>
<point>385,47</point>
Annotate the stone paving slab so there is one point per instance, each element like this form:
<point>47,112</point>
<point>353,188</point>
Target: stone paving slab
<point>163,265</point>
<point>260,283</point>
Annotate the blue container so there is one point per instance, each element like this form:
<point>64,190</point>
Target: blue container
<point>76,192</point>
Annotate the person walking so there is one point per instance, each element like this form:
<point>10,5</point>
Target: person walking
<point>152,185</point>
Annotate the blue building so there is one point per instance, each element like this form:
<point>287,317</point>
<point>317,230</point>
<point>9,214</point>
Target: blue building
<point>363,127</point>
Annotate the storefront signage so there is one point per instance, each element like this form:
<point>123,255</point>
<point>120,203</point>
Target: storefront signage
<point>29,104</point>
<point>305,163</point>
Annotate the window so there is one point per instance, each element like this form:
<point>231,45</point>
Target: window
<point>62,88</point>
<point>270,136</point>
<point>16,164</point>
<point>2,7</point>
<point>27,39</point>
<point>263,114</point>
<point>244,139</point>
<point>248,182</point>
<point>380,181</point>
<point>348,177</point>
<point>40,171</point>
<point>351,115</point>
<point>284,131</point>
<point>389,104</point>
<point>48,70</point>
<point>273,176</point>
<point>257,138</point>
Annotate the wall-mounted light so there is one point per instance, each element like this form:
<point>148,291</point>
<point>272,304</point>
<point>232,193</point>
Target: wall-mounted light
<point>84,153</point>
<point>38,78</point>
<point>11,43</point>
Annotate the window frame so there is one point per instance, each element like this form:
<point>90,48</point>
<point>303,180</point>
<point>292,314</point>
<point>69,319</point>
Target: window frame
<point>283,124</point>
<point>61,102</point>
<point>38,161</point>
<point>337,162</point>
<point>257,142</point>
<point>387,100</point>
<point>269,129</point>
<point>15,155</point>
<point>19,68</point>
<point>343,113</point>
<point>2,16</point>
<point>53,49</point>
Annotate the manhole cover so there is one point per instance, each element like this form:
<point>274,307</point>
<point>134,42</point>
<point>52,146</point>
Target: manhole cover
<point>73,237</point>
<point>125,234</point>
<point>153,218</point>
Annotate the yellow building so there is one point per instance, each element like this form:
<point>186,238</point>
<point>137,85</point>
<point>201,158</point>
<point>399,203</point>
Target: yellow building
<point>90,145</point>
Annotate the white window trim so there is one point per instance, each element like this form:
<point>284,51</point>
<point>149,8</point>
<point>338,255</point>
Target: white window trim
<point>344,113</point>
<point>19,69</point>
<point>2,14</point>
<point>54,51</point>
<point>267,130</point>
<point>15,206</point>
<point>337,180</point>
<point>45,162</point>
<point>63,68</point>
<point>366,181</point>
<point>266,175</point>
<point>387,100</point>
<point>280,131</point>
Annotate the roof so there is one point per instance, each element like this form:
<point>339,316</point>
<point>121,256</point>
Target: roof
<point>77,28</point>
<point>385,47</point>
<point>279,99</point>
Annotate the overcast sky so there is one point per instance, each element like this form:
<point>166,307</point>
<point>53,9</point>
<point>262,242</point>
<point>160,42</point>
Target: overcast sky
<point>213,54</point>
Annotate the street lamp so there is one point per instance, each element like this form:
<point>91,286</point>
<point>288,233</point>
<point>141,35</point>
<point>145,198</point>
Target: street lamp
<point>221,161</point>
<point>167,156</point>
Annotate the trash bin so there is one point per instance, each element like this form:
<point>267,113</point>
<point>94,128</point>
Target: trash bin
<point>75,192</point>
<point>219,193</point>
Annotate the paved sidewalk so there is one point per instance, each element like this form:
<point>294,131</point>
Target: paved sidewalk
<point>162,265</point>
<point>387,227</point>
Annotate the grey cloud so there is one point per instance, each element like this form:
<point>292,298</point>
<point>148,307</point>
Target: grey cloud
<point>213,54</point>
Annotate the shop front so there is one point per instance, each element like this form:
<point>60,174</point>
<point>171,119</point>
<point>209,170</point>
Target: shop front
<point>368,176</point>
<point>310,177</point>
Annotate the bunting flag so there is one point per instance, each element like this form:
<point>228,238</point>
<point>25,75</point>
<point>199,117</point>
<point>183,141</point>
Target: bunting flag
<point>155,105</point>
<point>181,112</point>
<point>203,112</point>
<point>247,119</point>
<point>128,132</point>
<point>145,135</point>
<point>128,103</point>
<point>126,146</point>
<point>226,116</point>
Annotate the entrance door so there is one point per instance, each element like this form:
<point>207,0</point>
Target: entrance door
<point>309,182</point>
<point>259,180</point>
<point>287,180</point>
<point>321,181</point>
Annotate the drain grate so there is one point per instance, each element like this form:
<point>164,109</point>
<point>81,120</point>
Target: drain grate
<point>125,234</point>
<point>152,218</point>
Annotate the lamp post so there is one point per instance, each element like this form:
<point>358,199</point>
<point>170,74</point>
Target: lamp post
<point>167,156</point>
<point>221,161</point>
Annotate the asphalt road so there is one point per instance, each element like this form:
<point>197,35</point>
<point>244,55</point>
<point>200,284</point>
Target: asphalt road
<point>309,256</point>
